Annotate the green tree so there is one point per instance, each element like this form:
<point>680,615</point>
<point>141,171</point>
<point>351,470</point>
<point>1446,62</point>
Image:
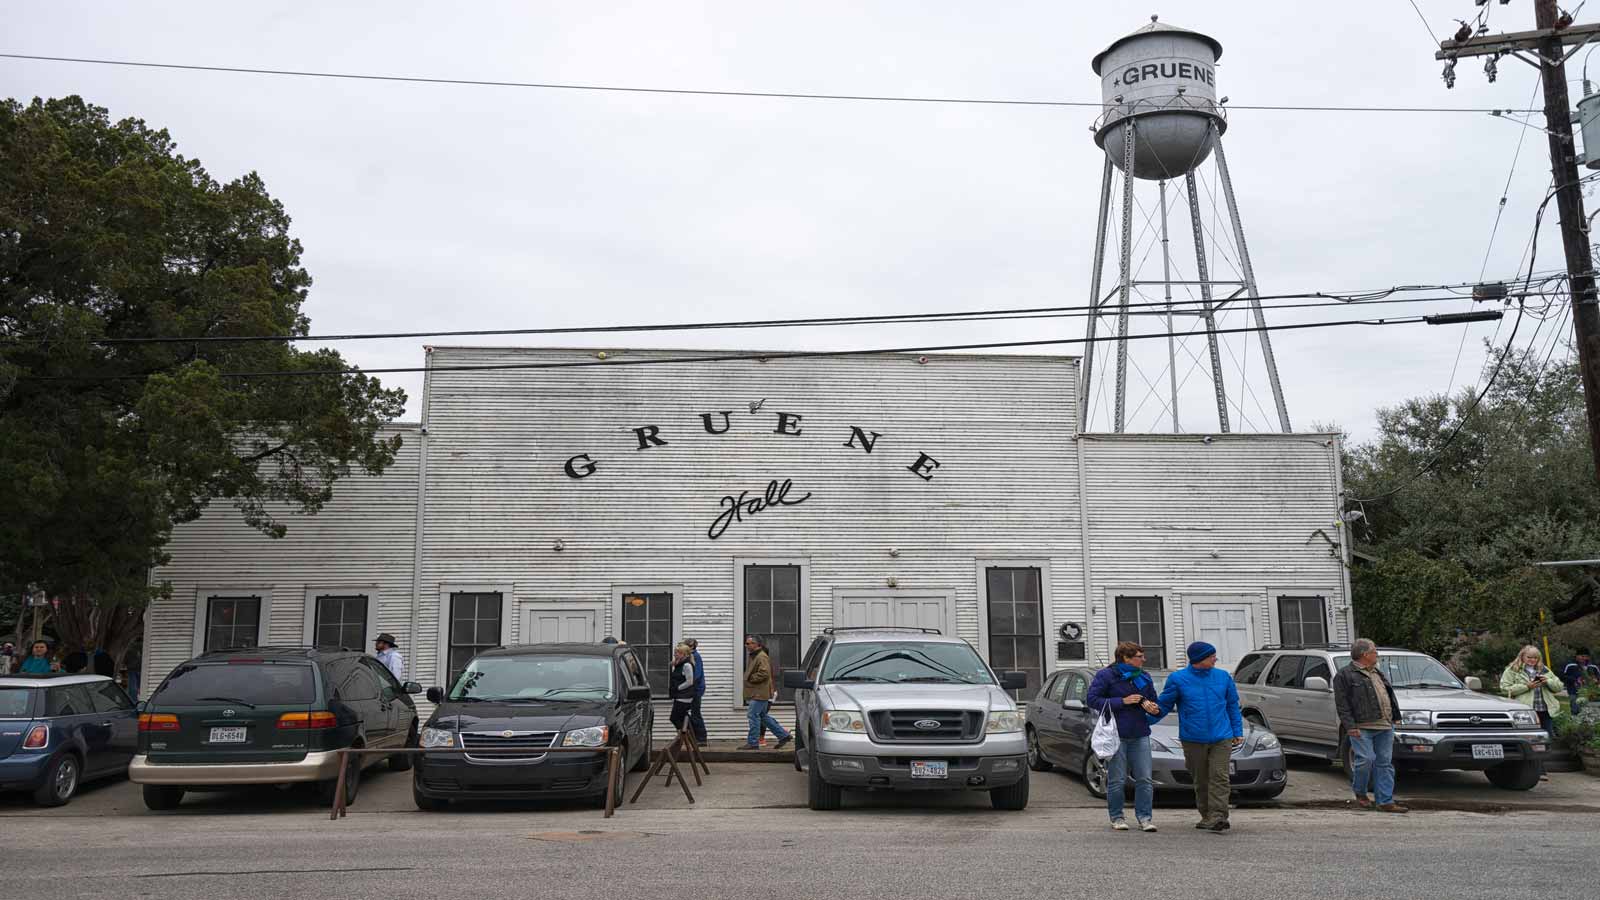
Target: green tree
<point>108,234</point>
<point>1456,546</point>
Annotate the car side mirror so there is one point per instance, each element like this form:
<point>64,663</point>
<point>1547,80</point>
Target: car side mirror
<point>435,695</point>
<point>1075,705</point>
<point>797,680</point>
<point>1013,681</point>
<point>1474,683</point>
<point>1316,683</point>
<point>638,693</point>
<point>411,687</point>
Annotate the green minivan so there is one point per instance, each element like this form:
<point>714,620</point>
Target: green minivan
<point>270,715</point>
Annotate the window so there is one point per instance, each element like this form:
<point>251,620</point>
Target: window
<point>633,672</point>
<point>1286,672</point>
<point>264,684</point>
<point>1056,689</point>
<point>474,627</point>
<point>68,700</point>
<point>1139,619</point>
<point>647,627</point>
<point>1016,624</point>
<point>1079,688</point>
<point>340,622</point>
<point>813,660</point>
<point>108,697</point>
<point>772,610</point>
<point>1251,667</point>
<point>1302,621</point>
<point>232,622</point>
<point>388,685</point>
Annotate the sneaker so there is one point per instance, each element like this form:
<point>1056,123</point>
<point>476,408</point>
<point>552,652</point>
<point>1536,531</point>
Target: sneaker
<point>784,740</point>
<point>1147,825</point>
<point>1119,824</point>
<point>1363,802</point>
<point>1393,808</point>
<point>1203,825</point>
<point>1221,826</point>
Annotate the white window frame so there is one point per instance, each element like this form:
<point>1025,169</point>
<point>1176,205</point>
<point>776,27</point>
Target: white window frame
<point>618,591</point>
<point>598,607</point>
<point>1047,618</point>
<point>1328,620</point>
<point>308,630</point>
<point>508,614</point>
<point>204,593</point>
<point>1171,600</point>
<point>736,684</point>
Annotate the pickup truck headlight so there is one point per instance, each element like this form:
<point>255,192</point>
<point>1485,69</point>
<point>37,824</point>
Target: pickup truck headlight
<point>1524,717</point>
<point>846,720</point>
<point>437,738</point>
<point>1416,718</point>
<point>1004,721</point>
<point>1267,742</point>
<point>594,736</point>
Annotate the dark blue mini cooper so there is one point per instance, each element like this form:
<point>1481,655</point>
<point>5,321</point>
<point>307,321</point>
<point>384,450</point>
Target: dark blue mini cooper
<point>58,731</point>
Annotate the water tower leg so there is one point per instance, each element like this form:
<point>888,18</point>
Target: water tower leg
<point>1094,299</point>
<point>1166,277</point>
<point>1128,138</point>
<point>1203,275</point>
<point>1250,286</point>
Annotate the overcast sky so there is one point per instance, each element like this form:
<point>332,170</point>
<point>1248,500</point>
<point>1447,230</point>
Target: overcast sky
<point>453,207</point>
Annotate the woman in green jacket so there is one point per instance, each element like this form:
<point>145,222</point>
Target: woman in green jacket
<point>1530,682</point>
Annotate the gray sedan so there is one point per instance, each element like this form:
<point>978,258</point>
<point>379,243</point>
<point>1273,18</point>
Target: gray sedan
<point>1059,727</point>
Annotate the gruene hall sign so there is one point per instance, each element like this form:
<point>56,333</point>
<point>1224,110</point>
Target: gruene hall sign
<point>735,508</point>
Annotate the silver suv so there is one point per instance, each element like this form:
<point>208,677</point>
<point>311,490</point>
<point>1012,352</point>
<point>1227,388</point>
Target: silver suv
<point>906,709</point>
<point>1443,723</point>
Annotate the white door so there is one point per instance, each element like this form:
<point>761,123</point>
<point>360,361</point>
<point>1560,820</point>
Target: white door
<point>892,608</point>
<point>1227,625</point>
<point>550,624</point>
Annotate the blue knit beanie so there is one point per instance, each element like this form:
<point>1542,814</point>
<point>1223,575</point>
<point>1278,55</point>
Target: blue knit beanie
<point>1199,650</point>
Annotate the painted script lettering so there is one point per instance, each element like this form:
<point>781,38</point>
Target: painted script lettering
<point>734,509</point>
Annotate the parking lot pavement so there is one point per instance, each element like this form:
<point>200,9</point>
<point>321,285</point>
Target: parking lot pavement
<point>740,786</point>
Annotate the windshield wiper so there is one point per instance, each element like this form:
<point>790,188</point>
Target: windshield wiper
<point>933,679</point>
<point>229,700</point>
<point>1428,685</point>
<point>859,678</point>
<point>566,690</point>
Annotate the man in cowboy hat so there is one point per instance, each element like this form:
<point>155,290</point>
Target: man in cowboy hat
<point>384,648</point>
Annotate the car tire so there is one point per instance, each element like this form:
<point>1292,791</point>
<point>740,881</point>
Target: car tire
<point>352,783</point>
<point>60,781</point>
<point>161,797</point>
<point>1256,719</point>
<point>1013,797</point>
<point>1036,760</point>
<point>799,751</point>
<point>1515,776</point>
<point>821,795</point>
<point>427,804</point>
<point>643,765</point>
<point>401,762</point>
<point>1094,775</point>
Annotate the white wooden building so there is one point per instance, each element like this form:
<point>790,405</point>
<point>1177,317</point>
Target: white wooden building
<point>951,491</point>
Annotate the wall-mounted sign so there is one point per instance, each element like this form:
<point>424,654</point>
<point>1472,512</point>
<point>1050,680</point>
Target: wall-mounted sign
<point>1071,631</point>
<point>734,509</point>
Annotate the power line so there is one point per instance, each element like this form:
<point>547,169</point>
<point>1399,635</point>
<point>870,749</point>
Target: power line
<point>733,356</point>
<point>1425,24</point>
<point>784,95</point>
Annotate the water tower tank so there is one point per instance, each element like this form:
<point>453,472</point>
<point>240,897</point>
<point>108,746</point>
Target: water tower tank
<point>1164,79</point>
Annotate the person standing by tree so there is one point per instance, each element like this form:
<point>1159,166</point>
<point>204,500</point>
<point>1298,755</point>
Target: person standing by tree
<point>1530,682</point>
<point>1210,727</point>
<point>1368,711</point>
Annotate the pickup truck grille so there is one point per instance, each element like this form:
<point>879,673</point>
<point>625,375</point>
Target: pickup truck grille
<point>899,726</point>
<point>1470,721</point>
<point>502,747</point>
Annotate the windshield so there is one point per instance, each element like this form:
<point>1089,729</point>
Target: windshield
<point>1412,672</point>
<point>15,702</point>
<point>513,678</point>
<point>899,662</point>
<point>258,684</point>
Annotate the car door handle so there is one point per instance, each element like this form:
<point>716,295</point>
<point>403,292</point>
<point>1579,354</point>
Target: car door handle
<point>105,724</point>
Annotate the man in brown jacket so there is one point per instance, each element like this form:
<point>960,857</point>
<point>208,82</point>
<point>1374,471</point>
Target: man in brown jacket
<point>759,689</point>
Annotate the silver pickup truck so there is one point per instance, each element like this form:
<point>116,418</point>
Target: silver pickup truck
<point>906,709</point>
<point>1444,724</point>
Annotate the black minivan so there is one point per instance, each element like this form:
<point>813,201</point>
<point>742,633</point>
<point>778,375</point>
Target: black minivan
<point>520,701</point>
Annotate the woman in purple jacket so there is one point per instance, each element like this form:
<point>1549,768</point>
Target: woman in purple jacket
<point>1128,692</point>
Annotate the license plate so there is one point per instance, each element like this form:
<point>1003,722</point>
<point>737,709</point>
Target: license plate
<point>930,769</point>
<point>227,735</point>
<point>1488,751</point>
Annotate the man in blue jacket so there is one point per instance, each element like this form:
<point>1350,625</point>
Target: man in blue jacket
<point>697,721</point>
<point>1209,727</point>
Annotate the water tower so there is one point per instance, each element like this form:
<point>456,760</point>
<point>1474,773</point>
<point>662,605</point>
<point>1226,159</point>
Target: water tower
<point>1162,122</point>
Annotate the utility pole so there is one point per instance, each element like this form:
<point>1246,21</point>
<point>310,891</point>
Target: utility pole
<point>1547,46</point>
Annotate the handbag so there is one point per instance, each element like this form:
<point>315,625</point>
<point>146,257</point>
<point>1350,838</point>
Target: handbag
<point>1107,740</point>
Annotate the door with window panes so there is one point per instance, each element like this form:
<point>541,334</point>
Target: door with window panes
<point>647,628</point>
<point>475,626</point>
<point>772,610</point>
<point>1016,624</point>
<point>1143,621</point>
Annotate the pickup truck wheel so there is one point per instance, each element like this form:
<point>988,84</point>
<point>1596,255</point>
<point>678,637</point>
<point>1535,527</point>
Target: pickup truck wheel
<point>1094,775</point>
<point>1515,776</point>
<point>821,795</point>
<point>160,797</point>
<point>1014,797</point>
<point>1036,760</point>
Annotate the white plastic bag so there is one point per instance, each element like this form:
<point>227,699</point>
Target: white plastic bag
<point>1107,740</point>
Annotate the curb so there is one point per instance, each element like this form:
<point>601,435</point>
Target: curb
<point>1426,804</point>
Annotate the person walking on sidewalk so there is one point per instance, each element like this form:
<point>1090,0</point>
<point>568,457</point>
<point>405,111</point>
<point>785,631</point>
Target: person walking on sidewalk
<point>1210,728</point>
<point>1368,711</point>
<point>758,693</point>
<point>697,721</point>
<point>1127,691</point>
<point>681,685</point>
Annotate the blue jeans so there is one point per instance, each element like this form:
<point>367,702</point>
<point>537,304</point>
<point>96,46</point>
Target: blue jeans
<point>1133,754</point>
<point>759,715</point>
<point>1373,755</point>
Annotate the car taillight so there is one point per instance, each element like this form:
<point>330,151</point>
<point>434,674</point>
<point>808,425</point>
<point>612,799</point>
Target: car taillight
<point>300,720</point>
<point>37,737</point>
<point>158,722</point>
